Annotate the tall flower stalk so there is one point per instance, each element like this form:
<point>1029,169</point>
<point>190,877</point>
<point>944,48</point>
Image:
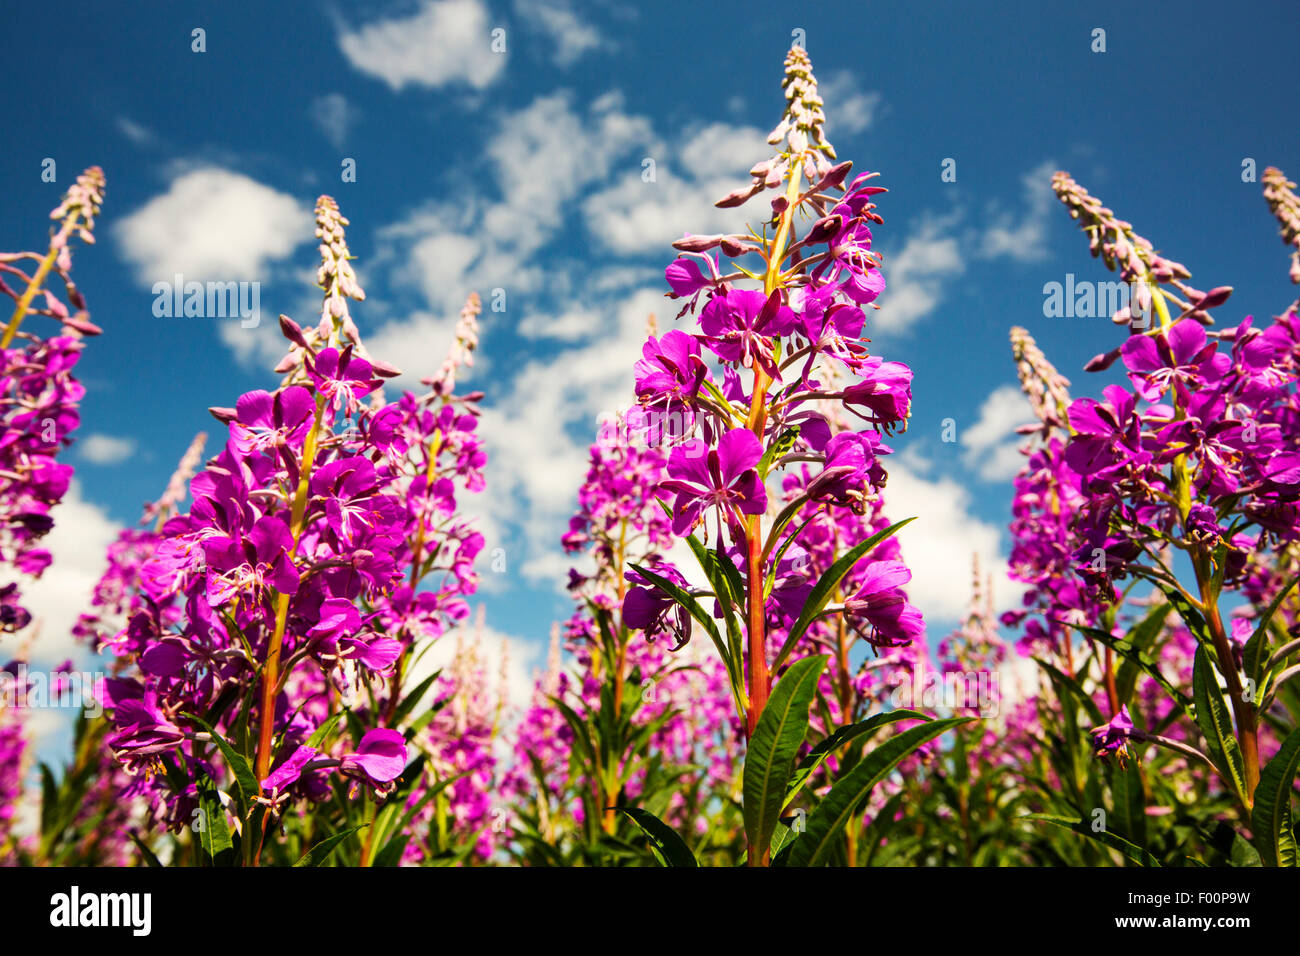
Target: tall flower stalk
<point>781,310</point>
<point>1195,465</point>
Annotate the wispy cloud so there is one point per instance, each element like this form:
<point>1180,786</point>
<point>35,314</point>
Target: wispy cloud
<point>106,449</point>
<point>444,43</point>
<point>570,35</point>
<point>850,109</point>
<point>991,446</point>
<point>334,116</point>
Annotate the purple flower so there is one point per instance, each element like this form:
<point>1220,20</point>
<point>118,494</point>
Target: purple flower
<point>1112,737</point>
<point>670,371</point>
<point>684,277</point>
<point>379,759</point>
<point>723,477</point>
<point>265,421</point>
<point>849,469</point>
<point>646,608</point>
<point>884,394</point>
<point>881,603</point>
<point>740,326</point>
<point>245,566</point>
<point>288,772</point>
<point>1178,356</point>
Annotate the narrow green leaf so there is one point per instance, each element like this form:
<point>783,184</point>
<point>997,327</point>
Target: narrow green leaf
<point>1082,827</point>
<point>1216,725</point>
<point>780,733</point>
<point>670,847</point>
<point>214,833</point>
<point>248,786</point>
<point>841,736</point>
<point>815,846</point>
<point>1141,637</point>
<point>1065,681</point>
<point>1191,616</point>
<point>1143,659</point>
<point>692,607</point>
<point>412,697</point>
<point>318,854</point>
<point>1255,652</point>
<point>1271,817</point>
<point>317,739</point>
<point>150,858</point>
<point>821,593</point>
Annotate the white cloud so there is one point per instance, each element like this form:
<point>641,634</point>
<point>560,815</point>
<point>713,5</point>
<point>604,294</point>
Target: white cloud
<point>921,273</point>
<point>1024,239</point>
<point>137,133</point>
<point>487,242</point>
<point>334,116</point>
<point>446,42</point>
<point>540,428</point>
<point>848,108</point>
<point>570,326</point>
<point>213,225</point>
<point>938,545</point>
<point>991,445</point>
<point>916,277</point>
<point>570,36</point>
<point>106,449</point>
<point>635,216</point>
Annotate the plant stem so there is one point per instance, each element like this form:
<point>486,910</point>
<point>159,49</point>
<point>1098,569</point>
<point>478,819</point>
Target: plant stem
<point>38,278</point>
<point>271,671</point>
<point>1243,712</point>
<point>760,680</point>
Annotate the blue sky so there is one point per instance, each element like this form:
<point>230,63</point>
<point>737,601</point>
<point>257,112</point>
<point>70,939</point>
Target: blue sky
<point>522,171</point>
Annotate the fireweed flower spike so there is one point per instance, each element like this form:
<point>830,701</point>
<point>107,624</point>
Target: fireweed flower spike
<point>782,348</point>
<point>1149,275</point>
<point>1283,203</point>
<point>1198,456</point>
<point>39,395</point>
<point>296,583</point>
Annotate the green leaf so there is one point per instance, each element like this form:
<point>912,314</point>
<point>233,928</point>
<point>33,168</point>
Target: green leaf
<point>815,846</point>
<point>692,607</point>
<point>841,736</point>
<point>784,442</point>
<point>214,834</point>
<point>1271,818</point>
<point>1191,617</point>
<point>1066,682</point>
<point>1141,637</point>
<point>1216,725</point>
<point>1130,799</point>
<point>670,847</point>
<point>413,697</point>
<point>249,788</point>
<point>150,858</point>
<point>821,594</point>
<point>317,739</point>
<point>1235,848</point>
<point>729,588</point>
<point>318,854</point>
<point>1141,857</point>
<point>1125,647</point>
<point>774,746</point>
